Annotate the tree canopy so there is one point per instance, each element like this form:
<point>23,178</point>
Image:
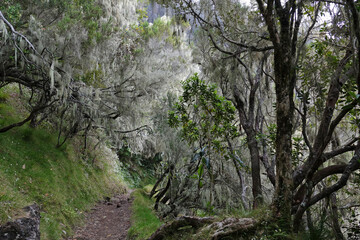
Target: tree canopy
<point>260,98</point>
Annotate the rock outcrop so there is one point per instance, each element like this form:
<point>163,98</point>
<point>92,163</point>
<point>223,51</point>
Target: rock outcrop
<point>26,227</point>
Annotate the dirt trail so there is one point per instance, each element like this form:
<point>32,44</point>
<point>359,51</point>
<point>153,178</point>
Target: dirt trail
<point>108,220</point>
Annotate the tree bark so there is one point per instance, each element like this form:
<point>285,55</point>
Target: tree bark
<point>335,218</point>
<point>353,165</point>
<point>284,114</point>
<point>253,147</point>
<point>283,31</point>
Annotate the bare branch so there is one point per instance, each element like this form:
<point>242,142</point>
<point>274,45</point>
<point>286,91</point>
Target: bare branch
<point>269,170</point>
<point>16,33</point>
<point>353,165</point>
<point>29,118</point>
<point>145,127</point>
<point>339,117</point>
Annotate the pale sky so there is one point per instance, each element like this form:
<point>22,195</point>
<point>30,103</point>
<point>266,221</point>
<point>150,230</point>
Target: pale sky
<point>246,2</point>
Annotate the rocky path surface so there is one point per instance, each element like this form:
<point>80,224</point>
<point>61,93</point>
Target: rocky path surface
<point>108,220</point>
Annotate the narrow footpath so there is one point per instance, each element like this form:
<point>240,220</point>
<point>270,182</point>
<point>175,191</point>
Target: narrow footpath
<point>108,220</point>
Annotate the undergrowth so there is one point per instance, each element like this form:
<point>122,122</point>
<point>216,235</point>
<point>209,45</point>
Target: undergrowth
<point>33,170</point>
<point>144,220</point>
<point>136,169</point>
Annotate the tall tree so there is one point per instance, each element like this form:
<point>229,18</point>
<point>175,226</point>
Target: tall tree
<point>220,26</point>
<point>283,24</point>
<point>90,66</point>
<point>286,30</point>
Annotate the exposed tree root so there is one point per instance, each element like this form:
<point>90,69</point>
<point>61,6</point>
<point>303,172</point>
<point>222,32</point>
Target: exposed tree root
<point>214,231</point>
<point>169,228</point>
<point>230,227</point>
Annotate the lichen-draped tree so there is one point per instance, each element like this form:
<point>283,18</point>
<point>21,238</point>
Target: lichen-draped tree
<point>247,88</point>
<point>311,67</point>
<point>65,64</point>
<point>97,72</point>
<point>250,115</point>
<point>203,181</point>
<point>284,40</point>
<point>284,30</point>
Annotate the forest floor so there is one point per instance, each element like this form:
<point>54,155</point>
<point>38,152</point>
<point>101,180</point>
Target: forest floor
<point>108,220</point>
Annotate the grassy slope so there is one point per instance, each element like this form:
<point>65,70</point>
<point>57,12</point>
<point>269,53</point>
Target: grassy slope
<point>144,220</point>
<point>33,170</point>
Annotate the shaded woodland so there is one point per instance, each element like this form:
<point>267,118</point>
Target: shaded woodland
<point>230,106</point>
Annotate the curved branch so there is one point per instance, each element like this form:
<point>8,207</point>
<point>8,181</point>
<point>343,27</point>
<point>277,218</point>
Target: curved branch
<point>145,127</point>
<point>318,176</point>
<point>353,165</point>
<point>321,140</point>
<point>217,26</point>
<point>298,174</point>
<point>269,170</point>
<point>339,117</point>
<point>304,124</point>
<point>347,148</point>
<point>14,32</point>
<point>29,118</point>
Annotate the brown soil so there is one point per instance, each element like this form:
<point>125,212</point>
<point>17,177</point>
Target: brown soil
<point>108,220</point>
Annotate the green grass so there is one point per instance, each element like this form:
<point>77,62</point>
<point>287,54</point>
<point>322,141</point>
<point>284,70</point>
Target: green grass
<point>32,170</point>
<point>144,220</point>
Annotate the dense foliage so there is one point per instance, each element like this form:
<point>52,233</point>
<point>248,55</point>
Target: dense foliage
<point>271,118</point>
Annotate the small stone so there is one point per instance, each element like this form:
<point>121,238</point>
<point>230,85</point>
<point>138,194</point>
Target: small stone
<point>114,199</point>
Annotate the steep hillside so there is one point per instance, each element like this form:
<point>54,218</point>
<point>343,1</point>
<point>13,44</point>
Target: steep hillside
<point>62,181</point>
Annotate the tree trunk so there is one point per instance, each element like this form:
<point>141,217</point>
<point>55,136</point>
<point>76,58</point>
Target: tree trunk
<point>241,177</point>
<point>283,35</point>
<point>335,218</point>
<point>284,119</point>
<point>309,221</point>
<point>248,124</point>
<point>255,169</point>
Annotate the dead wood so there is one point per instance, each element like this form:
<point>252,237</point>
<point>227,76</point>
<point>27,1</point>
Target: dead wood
<point>230,227</point>
<point>169,228</point>
<point>215,231</point>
